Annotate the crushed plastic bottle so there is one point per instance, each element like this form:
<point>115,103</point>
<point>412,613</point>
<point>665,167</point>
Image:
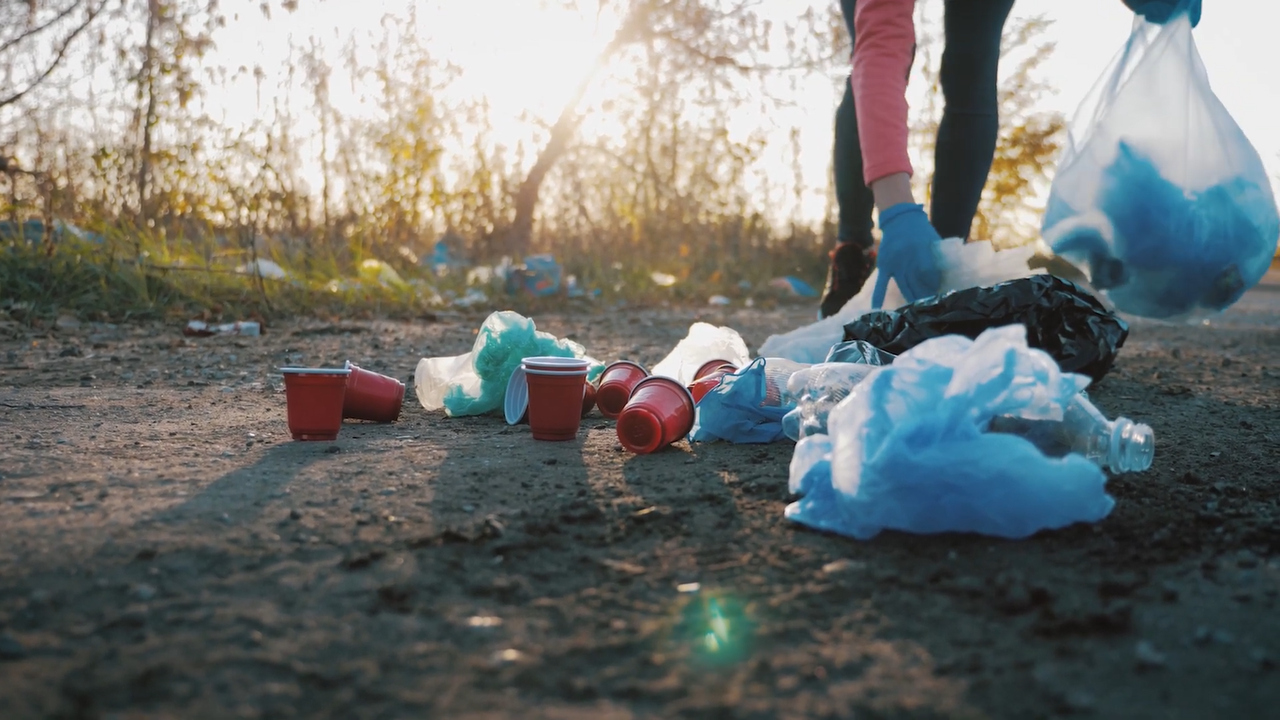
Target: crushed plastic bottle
<point>816,391</point>
<point>1120,445</point>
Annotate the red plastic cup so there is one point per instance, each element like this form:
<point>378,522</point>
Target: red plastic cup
<point>588,398</point>
<point>372,396</point>
<point>703,385</point>
<point>313,398</point>
<point>660,412</point>
<point>616,384</point>
<point>712,366</point>
<point>555,403</point>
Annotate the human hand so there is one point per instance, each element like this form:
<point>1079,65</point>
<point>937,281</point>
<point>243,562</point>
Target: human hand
<point>1160,11</point>
<point>907,248</point>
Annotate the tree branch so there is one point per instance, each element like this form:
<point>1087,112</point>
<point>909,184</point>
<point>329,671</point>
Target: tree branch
<point>17,95</point>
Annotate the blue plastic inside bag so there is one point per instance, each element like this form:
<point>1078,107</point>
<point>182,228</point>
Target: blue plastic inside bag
<point>908,451</point>
<point>741,409</point>
<point>1160,198</point>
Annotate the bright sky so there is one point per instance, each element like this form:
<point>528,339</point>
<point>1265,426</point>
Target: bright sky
<point>525,57</point>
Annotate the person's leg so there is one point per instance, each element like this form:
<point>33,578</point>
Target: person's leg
<point>853,197</point>
<point>852,260</point>
<point>970,116</point>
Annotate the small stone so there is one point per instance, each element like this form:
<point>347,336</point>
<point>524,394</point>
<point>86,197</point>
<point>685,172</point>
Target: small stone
<point>144,592</point>
<point>1203,635</point>
<point>1168,592</point>
<point>1148,656</point>
<point>387,491</point>
<point>10,648</point>
<point>468,508</point>
<point>550,461</point>
<point>333,449</point>
<point>1262,659</point>
<point>842,565</point>
<point>1246,559</point>
<point>295,514</point>
<point>39,597</point>
<point>506,657</point>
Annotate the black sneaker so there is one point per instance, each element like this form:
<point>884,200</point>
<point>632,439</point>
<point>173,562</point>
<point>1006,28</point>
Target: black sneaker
<point>850,267</point>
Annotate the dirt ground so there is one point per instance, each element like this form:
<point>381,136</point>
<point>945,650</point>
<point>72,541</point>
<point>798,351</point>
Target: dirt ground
<point>167,552</point>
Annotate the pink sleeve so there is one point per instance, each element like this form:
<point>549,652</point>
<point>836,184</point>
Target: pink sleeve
<point>882,52</point>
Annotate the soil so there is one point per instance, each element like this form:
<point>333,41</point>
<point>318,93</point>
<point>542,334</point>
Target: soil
<point>167,552</point>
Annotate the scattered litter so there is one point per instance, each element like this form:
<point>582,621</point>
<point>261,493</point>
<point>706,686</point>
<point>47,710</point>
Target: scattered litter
<point>1061,319</point>
<point>662,279</point>
<point>747,406</point>
<point>816,390</point>
<point>1160,198</point>
<point>475,383</point>
<point>703,343</point>
<point>964,265</point>
<point>474,296</point>
<point>688,587</point>
<point>718,300</point>
<point>376,271</point>
<point>199,328</point>
<point>484,621</point>
<point>268,269</point>
<point>794,286</point>
<point>909,449</point>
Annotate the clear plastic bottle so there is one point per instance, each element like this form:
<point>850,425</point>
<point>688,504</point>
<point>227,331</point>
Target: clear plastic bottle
<point>816,391</point>
<point>1120,445</point>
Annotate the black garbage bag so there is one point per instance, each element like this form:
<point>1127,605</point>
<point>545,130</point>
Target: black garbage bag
<point>860,352</point>
<point>1061,319</point>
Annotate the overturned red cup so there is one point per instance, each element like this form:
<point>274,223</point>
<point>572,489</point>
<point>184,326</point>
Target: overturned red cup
<point>660,412</point>
<point>372,396</point>
<point>588,398</point>
<point>313,400</point>
<point>616,384</point>
<point>555,403</point>
<point>703,385</point>
<point>713,366</point>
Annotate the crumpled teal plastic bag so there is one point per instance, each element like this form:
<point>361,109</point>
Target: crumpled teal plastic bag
<point>474,384</point>
<point>908,451</point>
<point>747,406</point>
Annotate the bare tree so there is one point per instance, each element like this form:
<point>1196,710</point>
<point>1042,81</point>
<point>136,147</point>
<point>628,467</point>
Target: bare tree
<point>35,38</point>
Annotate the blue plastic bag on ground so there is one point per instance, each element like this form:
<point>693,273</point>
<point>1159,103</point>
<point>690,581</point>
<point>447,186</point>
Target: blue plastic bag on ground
<point>747,406</point>
<point>908,448</point>
<point>1159,198</point>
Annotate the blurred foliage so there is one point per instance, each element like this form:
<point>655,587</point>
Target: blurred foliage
<point>178,200</point>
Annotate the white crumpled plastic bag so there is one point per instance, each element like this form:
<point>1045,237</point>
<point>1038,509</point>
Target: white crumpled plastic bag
<point>964,265</point>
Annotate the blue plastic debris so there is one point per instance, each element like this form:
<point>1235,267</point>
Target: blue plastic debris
<point>795,286</point>
<point>747,406</point>
<point>908,449</point>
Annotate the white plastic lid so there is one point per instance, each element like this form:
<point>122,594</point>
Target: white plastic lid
<point>516,402</point>
<point>314,371</point>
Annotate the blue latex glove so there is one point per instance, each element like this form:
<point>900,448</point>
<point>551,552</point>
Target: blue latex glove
<point>907,246</point>
<point>1160,11</point>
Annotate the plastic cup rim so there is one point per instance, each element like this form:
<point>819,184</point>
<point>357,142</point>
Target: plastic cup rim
<point>633,363</point>
<point>314,371</point>
<point>509,403</point>
<point>535,371</point>
<point>553,360</point>
<point>674,383</point>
